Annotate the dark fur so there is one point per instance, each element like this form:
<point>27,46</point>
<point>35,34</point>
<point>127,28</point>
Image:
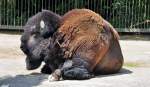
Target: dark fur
<point>35,40</point>
<point>78,69</point>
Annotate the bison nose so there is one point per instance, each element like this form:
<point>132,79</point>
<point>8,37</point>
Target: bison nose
<point>21,46</point>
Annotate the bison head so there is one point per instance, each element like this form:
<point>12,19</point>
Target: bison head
<point>38,28</point>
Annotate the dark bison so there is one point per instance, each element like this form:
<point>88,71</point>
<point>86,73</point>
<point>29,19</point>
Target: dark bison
<point>89,45</point>
<point>36,38</point>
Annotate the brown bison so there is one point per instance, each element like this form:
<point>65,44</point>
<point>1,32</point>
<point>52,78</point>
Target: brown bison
<point>89,45</point>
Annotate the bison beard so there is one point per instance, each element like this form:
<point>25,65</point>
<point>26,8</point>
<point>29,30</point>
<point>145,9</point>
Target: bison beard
<point>36,39</point>
<point>89,46</point>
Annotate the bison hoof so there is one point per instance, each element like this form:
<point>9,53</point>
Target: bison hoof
<point>52,78</point>
<point>56,76</point>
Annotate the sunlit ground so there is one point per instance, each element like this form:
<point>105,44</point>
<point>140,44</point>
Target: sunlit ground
<point>136,52</point>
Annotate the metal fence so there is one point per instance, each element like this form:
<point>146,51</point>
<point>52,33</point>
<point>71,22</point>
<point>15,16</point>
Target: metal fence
<point>124,15</point>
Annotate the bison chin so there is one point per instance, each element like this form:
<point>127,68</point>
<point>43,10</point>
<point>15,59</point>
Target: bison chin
<point>32,64</point>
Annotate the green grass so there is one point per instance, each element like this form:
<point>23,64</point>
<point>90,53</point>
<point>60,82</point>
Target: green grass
<point>133,64</point>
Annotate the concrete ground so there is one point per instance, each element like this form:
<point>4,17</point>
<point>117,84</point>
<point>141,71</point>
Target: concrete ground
<point>135,72</point>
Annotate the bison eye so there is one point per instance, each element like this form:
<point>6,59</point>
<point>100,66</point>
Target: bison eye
<point>24,39</point>
<point>35,33</point>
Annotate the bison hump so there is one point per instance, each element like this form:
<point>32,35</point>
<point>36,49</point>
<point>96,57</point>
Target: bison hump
<point>81,21</point>
<point>78,27</point>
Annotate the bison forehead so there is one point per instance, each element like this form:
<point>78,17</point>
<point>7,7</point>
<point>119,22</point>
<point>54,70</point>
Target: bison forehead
<point>31,41</point>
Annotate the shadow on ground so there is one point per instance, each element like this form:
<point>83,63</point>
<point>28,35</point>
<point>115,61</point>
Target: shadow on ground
<point>121,72</point>
<point>23,80</point>
<point>35,79</point>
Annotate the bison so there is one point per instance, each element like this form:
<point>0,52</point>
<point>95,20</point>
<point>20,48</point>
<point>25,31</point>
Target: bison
<point>88,44</point>
<point>36,38</point>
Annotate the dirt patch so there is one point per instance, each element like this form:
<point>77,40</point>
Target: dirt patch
<point>136,64</point>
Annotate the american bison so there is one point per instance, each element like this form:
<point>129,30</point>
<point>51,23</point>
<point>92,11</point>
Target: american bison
<point>36,38</point>
<point>89,45</point>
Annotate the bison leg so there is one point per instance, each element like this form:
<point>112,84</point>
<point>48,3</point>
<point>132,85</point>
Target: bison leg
<point>76,68</point>
<point>78,73</point>
<point>71,69</point>
<point>57,74</point>
<point>46,69</point>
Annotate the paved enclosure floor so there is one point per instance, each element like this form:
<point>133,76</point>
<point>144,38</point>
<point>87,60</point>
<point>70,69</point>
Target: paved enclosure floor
<point>135,72</point>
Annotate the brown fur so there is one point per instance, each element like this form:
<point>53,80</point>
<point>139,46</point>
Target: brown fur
<point>87,35</point>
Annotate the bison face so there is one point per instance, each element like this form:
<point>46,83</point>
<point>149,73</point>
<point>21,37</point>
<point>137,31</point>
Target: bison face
<point>38,28</point>
<point>24,41</point>
<point>29,42</point>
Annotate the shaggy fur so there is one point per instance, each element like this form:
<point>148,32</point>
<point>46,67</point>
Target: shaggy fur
<point>36,37</point>
<point>90,42</point>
